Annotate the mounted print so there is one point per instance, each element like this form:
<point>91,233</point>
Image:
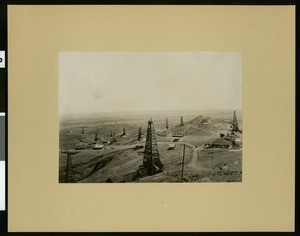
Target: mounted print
<point>150,117</point>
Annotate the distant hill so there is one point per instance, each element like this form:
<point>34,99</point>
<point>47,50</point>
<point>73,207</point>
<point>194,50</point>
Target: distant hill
<point>190,129</point>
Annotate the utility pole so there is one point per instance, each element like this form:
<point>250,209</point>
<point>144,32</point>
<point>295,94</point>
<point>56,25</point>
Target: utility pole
<point>182,162</point>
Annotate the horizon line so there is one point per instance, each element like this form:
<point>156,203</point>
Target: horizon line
<point>85,113</point>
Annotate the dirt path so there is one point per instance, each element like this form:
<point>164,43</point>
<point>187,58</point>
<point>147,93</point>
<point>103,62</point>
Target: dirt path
<point>195,157</point>
<point>170,142</point>
<point>195,163</point>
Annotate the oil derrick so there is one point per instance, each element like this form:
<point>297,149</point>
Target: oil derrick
<point>235,125</point>
<point>124,131</point>
<point>96,135</point>
<point>140,133</point>
<point>181,122</point>
<point>151,156</point>
<point>112,138</point>
<point>82,138</point>
<point>69,178</point>
<point>167,127</point>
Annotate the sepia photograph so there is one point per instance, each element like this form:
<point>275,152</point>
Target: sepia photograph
<point>150,117</point>
<point>121,114</point>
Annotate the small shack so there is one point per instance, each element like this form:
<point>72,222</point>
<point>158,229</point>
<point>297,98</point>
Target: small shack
<point>221,143</point>
<point>98,146</point>
<point>177,135</point>
<point>172,146</point>
<point>234,138</point>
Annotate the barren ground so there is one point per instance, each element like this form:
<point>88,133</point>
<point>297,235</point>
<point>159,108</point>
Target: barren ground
<point>120,158</point>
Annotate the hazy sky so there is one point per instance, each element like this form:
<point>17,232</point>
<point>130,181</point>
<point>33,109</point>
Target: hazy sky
<point>94,82</point>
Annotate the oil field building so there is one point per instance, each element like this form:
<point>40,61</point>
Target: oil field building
<point>221,143</point>
<point>233,138</point>
<point>171,146</point>
<point>98,146</point>
<point>177,135</point>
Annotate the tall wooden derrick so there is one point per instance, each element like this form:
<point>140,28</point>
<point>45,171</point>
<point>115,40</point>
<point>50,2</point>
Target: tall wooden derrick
<point>96,135</point>
<point>235,125</point>
<point>140,133</point>
<point>69,175</point>
<point>167,127</point>
<point>151,160</point>
<point>114,137</point>
<point>181,122</point>
<point>124,131</point>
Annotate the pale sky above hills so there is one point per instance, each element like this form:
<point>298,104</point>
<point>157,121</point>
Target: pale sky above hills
<point>94,82</point>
